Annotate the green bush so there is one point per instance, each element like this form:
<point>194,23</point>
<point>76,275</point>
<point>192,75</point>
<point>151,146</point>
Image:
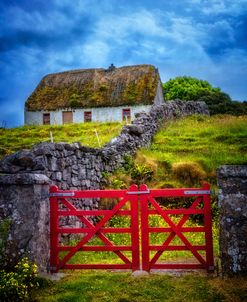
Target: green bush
<point>141,174</point>
<point>16,285</point>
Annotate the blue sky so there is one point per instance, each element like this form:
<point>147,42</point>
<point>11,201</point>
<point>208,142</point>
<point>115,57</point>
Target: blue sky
<point>206,39</point>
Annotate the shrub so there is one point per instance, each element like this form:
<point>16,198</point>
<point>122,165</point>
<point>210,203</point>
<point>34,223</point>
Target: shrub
<point>17,285</point>
<point>189,173</point>
<point>141,174</point>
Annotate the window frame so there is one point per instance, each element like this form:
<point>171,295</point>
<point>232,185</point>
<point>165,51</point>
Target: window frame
<point>86,115</point>
<point>46,118</point>
<point>128,115</point>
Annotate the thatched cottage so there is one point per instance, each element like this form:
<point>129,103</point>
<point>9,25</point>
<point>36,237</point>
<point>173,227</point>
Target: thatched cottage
<point>101,95</point>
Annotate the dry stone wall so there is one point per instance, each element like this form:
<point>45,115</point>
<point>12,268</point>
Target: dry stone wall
<point>72,166</point>
<point>232,183</point>
<point>27,174</point>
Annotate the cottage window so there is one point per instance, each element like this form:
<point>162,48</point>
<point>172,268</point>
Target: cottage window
<point>46,119</point>
<point>87,116</point>
<point>126,114</point>
<point>67,117</point>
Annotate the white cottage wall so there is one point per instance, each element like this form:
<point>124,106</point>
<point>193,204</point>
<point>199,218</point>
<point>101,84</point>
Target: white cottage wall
<point>103,114</point>
<point>159,98</point>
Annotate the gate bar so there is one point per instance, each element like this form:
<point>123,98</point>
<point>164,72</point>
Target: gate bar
<point>208,230</point>
<point>54,242</point>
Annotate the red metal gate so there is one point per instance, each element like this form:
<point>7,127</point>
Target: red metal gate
<point>133,203</point>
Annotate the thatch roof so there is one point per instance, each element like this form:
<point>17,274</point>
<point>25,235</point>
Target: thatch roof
<point>87,88</point>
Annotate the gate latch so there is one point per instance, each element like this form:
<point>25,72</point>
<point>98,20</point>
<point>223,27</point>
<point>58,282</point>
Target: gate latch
<point>138,192</point>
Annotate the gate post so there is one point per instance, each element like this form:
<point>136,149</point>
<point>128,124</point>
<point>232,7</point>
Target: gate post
<point>24,207</point>
<point>232,184</point>
<point>134,207</point>
<point>208,229</point>
<point>144,228</point>
<point>54,254</point>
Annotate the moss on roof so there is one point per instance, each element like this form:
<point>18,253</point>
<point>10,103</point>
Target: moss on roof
<point>87,88</point>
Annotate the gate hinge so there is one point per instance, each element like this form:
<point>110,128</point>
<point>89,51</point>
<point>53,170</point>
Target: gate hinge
<point>138,192</point>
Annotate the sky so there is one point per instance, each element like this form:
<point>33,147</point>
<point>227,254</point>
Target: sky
<point>206,39</point>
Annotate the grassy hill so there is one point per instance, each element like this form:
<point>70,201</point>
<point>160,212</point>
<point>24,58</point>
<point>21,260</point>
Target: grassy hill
<point>187,151</point>
<point>25,137</point>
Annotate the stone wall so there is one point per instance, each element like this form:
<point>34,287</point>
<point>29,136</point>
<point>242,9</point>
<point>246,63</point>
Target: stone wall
<point>232,183</point>
<point>72,166</point>
<point>24,202</point>
<point>27,174</point>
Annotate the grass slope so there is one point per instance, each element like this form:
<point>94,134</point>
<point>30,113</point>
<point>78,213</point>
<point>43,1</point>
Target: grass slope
<point>25,137</point>
<point>189,150</point>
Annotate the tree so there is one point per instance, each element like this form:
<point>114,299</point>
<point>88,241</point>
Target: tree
<point>188,88</point>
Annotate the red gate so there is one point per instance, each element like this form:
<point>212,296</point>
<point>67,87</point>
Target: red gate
<point>128,206</point>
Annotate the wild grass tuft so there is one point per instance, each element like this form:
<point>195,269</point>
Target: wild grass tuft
<point>189,173</point>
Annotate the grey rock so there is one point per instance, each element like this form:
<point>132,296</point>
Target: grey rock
<point>24,179</point>
<point>59,176</point>
<point>232,183</point>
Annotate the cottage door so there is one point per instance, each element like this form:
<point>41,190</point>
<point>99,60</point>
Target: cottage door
<point>67,117</point>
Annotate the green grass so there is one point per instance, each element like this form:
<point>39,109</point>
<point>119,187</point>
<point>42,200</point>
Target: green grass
<point>211,141</point>
<point>207,141</point>
<point>14,139</point>
<point>104,286</point>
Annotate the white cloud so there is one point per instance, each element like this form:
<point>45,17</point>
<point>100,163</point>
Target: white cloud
<point>148,37</point>
<point>95,53</point>
<point>215,7</point>
<point>121,27</point>
<point>219,31</point>
<point>36,21</point>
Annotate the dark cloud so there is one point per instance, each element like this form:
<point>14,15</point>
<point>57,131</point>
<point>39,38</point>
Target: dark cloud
<point>47,40</point>
<point>28,5</point>
<point>185,37</point>
<point>241,31</point>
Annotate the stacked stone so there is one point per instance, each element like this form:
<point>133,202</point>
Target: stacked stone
<point>24,202</point>
<point>27,175</point>
<point>232,183</point>
<point>72,166</point>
